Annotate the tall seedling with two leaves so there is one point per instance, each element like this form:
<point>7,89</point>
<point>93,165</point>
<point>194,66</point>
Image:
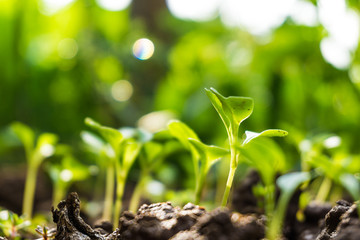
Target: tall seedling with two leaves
<point>203,156</point>
<point>233,111</point>
<point>122,155</point>
<point>35,155</point>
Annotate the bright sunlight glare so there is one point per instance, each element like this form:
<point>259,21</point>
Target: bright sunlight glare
<point>199,10</point>
<point>113,5</point>
<point>259,17</point>
<point>343,28</point>
<point>143,49</point>
<point>66,175</point>
<point>50,7</point>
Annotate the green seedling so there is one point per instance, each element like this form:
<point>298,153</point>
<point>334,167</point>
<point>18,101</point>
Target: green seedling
<point>45,233</point>
<point>287,183</point>
<point>11,225</point>
<point>122,155</point>
<point>267,158</point>
<point>233,111</point>
<point>64,173</point>
<point>35,155</point>
<point>334,165</point>
<point>105,159</point>
<point>203,156</point>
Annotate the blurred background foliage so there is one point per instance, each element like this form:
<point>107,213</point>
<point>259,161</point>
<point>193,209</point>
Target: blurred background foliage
<point>62,61</point>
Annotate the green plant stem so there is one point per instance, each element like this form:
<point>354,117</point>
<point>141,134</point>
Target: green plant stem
<point>109,192</point>
<point>135,199</point>
<point>269,199</point>
<point>59,191</point>
<point>234,156</point>
<point>200,184</point>
<point>29,192</point>
<point>120,186</point>
<point>275,223</point>
<point>324,190</point>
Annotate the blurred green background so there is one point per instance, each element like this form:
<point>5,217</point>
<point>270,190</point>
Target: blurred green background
<point>62,61</point>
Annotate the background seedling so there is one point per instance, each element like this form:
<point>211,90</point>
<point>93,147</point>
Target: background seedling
<point>233,111</point>
<point>35,155</point>
<point>124,152</point>
<point>333,164</point>
<point>267,158</point>
<point>287,183</point>
<point>65,172</point>
<point>203,156</point>
<point>105,161</point>
<point>11,225</point>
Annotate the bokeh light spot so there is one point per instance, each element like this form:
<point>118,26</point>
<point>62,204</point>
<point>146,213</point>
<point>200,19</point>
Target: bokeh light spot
<point>66,175</point>
<point>113,5</point>
<point>155,121</point>
<point>122,90</point>
<point>47,150</point>
<point>67,48</point>
<point>143,49</point>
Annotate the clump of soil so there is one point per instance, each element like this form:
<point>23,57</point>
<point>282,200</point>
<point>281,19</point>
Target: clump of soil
<point>159,221</point>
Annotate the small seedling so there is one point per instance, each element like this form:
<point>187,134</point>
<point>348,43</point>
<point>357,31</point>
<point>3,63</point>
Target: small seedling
<point>122,155</point>
<point>203,156</point>
<point>105,161</point>
<point>11,225</point>
<point>64,173</point>
<point>287,183</point>
<point>333,163</point>
<point>45,233</point>
<point>233,111</point>
<point>35,155</point>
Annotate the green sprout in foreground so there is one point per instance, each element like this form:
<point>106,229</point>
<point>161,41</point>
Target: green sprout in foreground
<point>123,154</point>
<point>203,156</point>
<point>233,111</point>
<point>35,155</point>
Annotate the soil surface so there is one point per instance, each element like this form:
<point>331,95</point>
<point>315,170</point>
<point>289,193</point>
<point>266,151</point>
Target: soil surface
<point>160,221</point>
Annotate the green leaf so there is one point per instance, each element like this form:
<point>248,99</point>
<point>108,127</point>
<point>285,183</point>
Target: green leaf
<point>288,183</point>
<point>131,151</point>
<point>182,132</point>
<point>151,151</point>
<point>209,153</point>
<point>93,141</point>
<point>232,110</point>
<point>26,136</point>
<point>351,184</point>
<point>266,156</point>
<point>111,135</point>
<point>249,135</point>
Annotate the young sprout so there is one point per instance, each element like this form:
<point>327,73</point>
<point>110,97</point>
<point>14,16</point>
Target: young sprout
<point>105,161</point>
<point>11,224</point>
<point>64,173</point>
<point>203,156</point>
<point>35,155</point>
<point>123,154</point>
<point>269,160</point>
<point>233,111</point>
<point>287,183</point>
<point>45,233</point>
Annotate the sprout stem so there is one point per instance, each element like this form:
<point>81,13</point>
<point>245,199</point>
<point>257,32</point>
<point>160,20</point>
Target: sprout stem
<point>200,185</point>
<point>135,199</point>
<point>30,185</point>
<point>323,190</point>
<point>109,192</point>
